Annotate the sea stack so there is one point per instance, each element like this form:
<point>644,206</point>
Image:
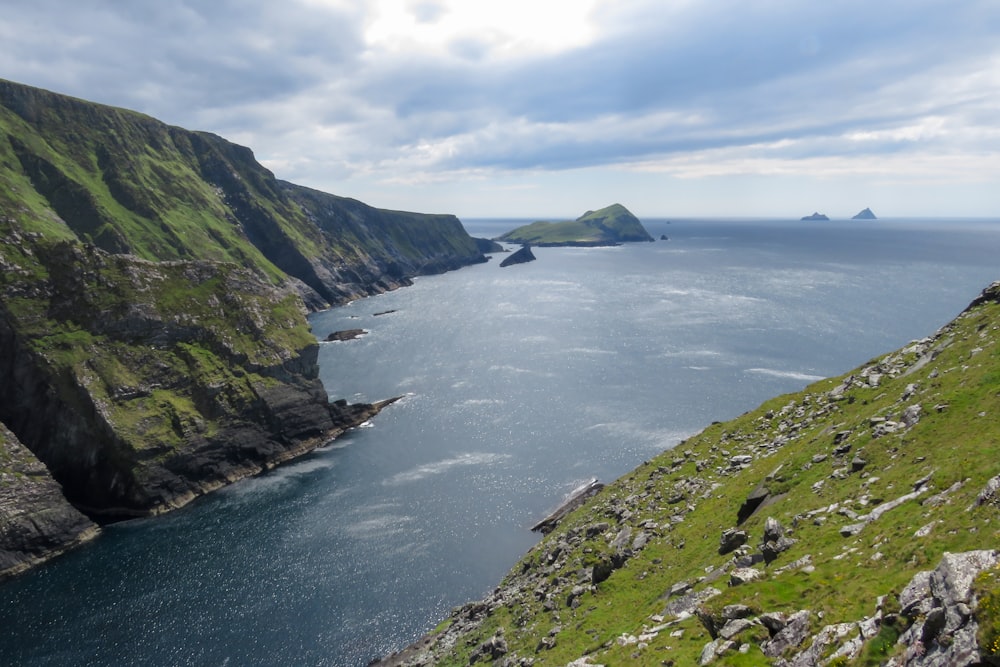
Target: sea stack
<point>520,257</point>
<point>865,215</point>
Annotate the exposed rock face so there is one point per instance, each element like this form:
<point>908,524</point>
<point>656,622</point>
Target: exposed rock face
<point>142,385</point>
<point>521,256</point>
<point>153,290</point>
<point>865,214</point>
<point>36,522</point>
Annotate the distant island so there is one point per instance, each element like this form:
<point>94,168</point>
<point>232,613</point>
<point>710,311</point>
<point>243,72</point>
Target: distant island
<point>815,216</point>
<point>608,226</point>
<point>865,215</point>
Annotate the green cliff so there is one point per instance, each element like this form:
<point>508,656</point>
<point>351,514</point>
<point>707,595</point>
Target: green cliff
<point>854,523</point>
<point>154,284</point>
<point>608,226</point>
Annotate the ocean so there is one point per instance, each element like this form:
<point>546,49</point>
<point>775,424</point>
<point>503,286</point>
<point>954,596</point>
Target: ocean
<point>518,385</point>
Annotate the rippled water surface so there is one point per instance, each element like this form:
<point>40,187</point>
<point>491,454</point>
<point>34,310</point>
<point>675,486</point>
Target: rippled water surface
<point>519,384</point>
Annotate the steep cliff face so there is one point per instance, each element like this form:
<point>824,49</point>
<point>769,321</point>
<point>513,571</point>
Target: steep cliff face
<point>153,290</point>
<point>129,183</point>
<point>36,522</point>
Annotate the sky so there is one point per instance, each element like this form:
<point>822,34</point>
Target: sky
<point>548,108</point>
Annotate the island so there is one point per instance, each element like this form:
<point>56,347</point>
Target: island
<point>814,216</point>
<point>612,225</point>
<point>865,215</point>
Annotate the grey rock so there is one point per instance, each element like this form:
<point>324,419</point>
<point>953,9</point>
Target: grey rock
<point>911,415</point>
<point>940,605</point>
<point>774,621</point>
<point>771,550</point>
<point>714,649</point>
<point>689,603</point>
<point>595,529</point>
<point>734,627</point>
<point>990,495</point>
<point>773,530</point>
<point>36,521</point>
<point>794,632</point>
<point>733,611</point>
<point>622,539</point>
<point>731,539</point>
<point>744,575</point>
<point>493,648</point>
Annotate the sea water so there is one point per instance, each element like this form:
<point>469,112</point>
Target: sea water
<point>518,385</point>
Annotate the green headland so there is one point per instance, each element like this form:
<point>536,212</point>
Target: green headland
<point>609,226</point>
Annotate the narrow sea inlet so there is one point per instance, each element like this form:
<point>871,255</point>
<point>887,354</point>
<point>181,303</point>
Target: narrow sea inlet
<point>519,385</point>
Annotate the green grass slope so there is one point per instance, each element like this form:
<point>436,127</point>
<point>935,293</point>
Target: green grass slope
<point>607,226</point>
<point>874,476</point>
<point>128,183</point>
<point>154,284</point>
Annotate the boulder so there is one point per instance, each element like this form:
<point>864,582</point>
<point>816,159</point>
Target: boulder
<point>792,633</point>
<point>731,539</point>
<point>744,575</point>
<point>772,549</point>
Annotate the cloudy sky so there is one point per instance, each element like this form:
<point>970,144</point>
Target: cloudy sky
<point>546,108</point>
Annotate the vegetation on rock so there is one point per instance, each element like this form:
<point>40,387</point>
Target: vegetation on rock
<point>857,501</point>
<point>154,284</point>
<point>608,226</point>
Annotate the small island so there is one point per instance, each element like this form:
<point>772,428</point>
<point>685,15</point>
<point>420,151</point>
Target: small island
<point>612,225</point>
<point>815,216</point>
<point>865,215</point>
<point>346,334</point>
<point>520,257</point>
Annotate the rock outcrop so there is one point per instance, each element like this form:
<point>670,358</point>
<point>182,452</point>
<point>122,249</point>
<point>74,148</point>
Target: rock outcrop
<point>815,216</point>
<point>865,214</point>
<point>36,522</point>
<point>521,256</point>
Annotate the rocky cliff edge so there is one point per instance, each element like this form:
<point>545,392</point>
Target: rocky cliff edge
<point>154,284</point>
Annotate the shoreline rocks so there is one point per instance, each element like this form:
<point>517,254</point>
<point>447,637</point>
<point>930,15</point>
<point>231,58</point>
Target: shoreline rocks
<point>346,334</point>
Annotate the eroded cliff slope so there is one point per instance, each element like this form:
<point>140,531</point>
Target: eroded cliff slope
<point>853,523</point>
<point>153,290</point>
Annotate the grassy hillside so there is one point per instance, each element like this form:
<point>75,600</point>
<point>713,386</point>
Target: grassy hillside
<point>127,183</point>
<point>154,284</point>
<point>871,477</point>
<point>607,226</point>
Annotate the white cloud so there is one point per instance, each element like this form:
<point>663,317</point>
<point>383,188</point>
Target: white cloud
<point>429,104</point>
<point>513,29</point>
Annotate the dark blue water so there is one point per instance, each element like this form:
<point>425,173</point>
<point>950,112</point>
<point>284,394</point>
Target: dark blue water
<point>518,384</point>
